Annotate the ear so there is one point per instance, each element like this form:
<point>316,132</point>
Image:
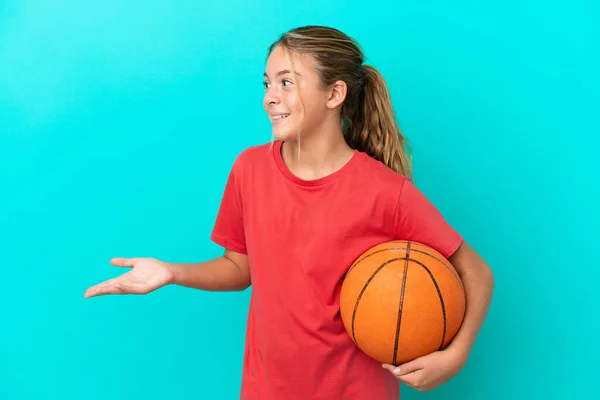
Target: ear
<point>337,94</point>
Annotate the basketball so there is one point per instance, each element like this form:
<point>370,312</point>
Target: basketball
<point>401,300</point>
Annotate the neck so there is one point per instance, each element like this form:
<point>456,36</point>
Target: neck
<point>320,153</point>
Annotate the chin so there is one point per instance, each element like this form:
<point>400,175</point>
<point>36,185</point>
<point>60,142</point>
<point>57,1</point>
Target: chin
<point>285,134</point>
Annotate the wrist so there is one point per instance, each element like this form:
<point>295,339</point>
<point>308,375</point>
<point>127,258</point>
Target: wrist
<point>172,269</point>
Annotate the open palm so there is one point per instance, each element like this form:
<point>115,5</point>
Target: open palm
<point>146,275</point>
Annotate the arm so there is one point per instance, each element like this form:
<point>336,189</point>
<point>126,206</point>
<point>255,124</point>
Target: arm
<point>432,370</point>
<point>478,281</point>
<point>419,220</point>
<point>229,272</point>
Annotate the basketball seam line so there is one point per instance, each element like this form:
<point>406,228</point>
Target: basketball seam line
<point>406,259</point>
<point>404,248</point>
<point>401,305</point>
<point>363,291</point>
<point>442,304</point>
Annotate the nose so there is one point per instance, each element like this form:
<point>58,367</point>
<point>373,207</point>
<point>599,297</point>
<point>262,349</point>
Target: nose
<point>271,97</point>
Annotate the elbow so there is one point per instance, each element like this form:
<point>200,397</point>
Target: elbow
<point>489,274</point>
<point>487,279</point>
<point>243,286</point>
<point>491,281</point>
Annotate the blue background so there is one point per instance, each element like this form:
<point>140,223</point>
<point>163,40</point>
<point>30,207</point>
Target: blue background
<point>119,121</point>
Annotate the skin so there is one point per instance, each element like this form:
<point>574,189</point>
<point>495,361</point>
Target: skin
<point>315,112</point>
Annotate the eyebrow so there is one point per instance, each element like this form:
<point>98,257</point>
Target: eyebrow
<point>283,72</point>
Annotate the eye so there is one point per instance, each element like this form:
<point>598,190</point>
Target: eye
<point>266,84</point>
<point>286,81</point>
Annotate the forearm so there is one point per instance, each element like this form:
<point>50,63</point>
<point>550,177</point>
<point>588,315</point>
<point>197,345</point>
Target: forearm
<point>479,285</point>
<point>218,274</point>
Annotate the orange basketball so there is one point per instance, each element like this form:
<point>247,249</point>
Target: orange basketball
<point>401,300</point>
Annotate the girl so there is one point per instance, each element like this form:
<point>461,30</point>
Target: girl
<point>297,212</point>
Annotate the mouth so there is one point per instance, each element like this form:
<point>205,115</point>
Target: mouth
<point>279,117</point>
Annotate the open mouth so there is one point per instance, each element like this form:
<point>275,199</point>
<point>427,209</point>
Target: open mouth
<point>280,116</point>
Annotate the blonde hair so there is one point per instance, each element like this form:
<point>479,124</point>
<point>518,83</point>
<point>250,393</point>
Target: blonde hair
<point>368,118</point>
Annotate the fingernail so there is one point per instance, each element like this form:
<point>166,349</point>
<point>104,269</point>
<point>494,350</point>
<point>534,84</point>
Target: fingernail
<point>397,370</point>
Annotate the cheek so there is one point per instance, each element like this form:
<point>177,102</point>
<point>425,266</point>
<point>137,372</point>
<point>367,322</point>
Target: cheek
<point>292,102</point>
<point>312,107</point>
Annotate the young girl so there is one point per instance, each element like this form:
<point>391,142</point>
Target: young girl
<point>298,211</point>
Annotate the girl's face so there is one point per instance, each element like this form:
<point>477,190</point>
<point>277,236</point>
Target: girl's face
<point>297,103</point>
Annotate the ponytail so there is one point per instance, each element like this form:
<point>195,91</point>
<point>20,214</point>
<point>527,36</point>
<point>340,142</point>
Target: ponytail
<point>371,126</point>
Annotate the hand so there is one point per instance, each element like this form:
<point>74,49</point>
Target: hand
<point>429,371</point>
<point>147,275</point>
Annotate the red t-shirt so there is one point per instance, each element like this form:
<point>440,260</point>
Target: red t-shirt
<point>301,237</point>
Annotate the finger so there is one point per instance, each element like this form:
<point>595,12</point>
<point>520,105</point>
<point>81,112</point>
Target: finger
<point>408,368</point>
<point>111,286</point>
<point>102,290</point>
<point>389,367</point>
<point>122,262</point>
<point>96,291</point>
<point>411,379</point>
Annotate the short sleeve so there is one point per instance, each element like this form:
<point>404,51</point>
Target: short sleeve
<point>418,220</point>
<point>228,230</point>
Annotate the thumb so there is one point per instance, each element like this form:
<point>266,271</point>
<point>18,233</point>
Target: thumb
<point>123,262</point>
<point>389,367</point>
<point>407,368</point>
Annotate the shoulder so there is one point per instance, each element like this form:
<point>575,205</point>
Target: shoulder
<point>380,175</point>
<point>252,155</point>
